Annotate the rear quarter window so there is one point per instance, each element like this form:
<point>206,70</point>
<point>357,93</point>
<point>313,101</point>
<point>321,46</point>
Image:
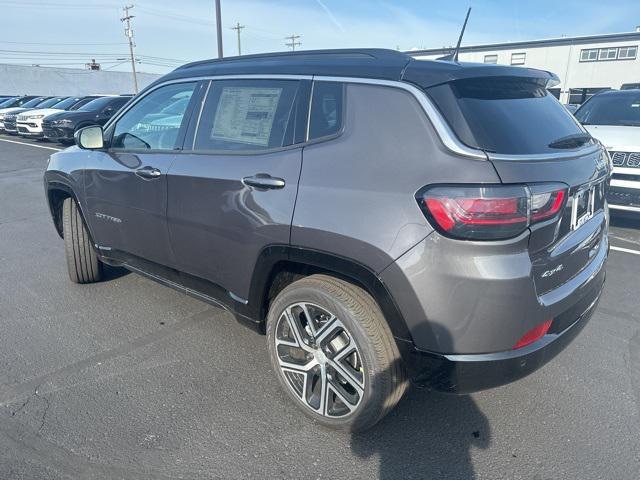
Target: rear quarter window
<point>505,115</point>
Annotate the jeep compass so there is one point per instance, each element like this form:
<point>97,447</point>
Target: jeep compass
<point>383,220</point>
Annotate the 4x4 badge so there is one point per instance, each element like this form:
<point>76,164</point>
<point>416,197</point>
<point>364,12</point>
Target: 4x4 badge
<point>553,271</point>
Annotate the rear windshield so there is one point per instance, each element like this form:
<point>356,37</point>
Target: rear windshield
<point>508,115</point>
<point>620,108</point>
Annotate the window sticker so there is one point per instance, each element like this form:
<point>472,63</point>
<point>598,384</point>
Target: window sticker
<point>245,115</point>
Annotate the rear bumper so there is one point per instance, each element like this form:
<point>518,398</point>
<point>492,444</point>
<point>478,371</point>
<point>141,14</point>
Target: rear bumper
<point>461,374</point>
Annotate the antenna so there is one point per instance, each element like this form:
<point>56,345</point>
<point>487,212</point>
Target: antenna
<point>454,55</point>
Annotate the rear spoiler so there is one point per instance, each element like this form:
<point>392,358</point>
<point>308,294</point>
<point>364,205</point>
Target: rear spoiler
<point>429,73</point>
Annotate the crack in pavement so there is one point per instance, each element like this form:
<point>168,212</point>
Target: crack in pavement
<point>46,409</point>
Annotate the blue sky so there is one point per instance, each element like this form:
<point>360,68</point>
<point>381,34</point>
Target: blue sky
<point>73,31</point>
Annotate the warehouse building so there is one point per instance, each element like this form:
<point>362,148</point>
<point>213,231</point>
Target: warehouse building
<point>34,80</point>
<point>585,65</point>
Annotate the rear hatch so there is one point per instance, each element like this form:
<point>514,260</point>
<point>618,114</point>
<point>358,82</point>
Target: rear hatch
<point>531,139</point>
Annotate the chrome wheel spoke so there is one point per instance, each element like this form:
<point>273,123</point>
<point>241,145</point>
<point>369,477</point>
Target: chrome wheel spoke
<point>296,330</point>
<point>346,376</point>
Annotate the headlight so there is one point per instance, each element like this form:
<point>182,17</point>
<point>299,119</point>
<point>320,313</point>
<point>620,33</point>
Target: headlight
<point>34,117</point>
<point>2,116</point>
<point>63,122</point>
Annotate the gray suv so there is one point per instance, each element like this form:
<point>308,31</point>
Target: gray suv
<point>382,219</point>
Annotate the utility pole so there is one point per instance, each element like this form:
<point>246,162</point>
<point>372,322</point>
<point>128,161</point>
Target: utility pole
<point>219,28</point>
<point>129,34</point>
<point>293,44</point>
<point>238,27</point>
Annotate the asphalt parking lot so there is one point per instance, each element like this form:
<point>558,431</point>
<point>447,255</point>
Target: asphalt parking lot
<point>128,379</point>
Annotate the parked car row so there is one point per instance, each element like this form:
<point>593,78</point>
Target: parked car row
<point>56,118</point>
<point>613,117</point>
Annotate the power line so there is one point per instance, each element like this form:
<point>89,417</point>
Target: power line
<point>129,34</point>
<point>62,44</point>
<point>238,27</point>
<point>292,43</point>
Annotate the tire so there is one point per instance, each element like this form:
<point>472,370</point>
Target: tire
<point>359,364</point>
<point>83,263</point>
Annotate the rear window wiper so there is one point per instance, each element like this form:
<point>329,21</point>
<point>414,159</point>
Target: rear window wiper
<point>571,141</point>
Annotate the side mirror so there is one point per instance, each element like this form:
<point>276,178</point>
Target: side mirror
<point>89,138</point>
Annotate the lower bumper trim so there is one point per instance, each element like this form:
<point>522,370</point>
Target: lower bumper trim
<point>462,374</point>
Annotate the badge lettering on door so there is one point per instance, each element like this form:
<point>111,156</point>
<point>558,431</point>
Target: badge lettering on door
<point>104,216</point>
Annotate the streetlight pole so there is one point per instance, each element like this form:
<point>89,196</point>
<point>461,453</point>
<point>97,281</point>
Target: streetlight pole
<point>219,28</point>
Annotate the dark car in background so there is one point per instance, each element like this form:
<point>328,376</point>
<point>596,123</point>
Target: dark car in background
<point>378,217</point>
<point>61,103</point>
<point>62,126</point>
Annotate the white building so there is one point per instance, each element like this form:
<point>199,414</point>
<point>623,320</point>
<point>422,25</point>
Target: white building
<point>30,80</point>
<point>585,65</point>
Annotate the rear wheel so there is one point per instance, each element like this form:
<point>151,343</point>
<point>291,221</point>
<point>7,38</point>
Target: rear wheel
<point>333,353</point>
<point>83,263</point>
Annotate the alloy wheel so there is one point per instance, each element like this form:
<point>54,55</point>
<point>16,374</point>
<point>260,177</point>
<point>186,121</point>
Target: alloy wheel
<point>319,360</point>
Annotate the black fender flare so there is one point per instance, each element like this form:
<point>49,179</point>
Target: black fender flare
<point>350,270</point>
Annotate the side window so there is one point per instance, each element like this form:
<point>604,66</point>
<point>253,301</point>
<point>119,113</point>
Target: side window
<point>147,125</point>
<point>240,115</point>
<point>326,109</point>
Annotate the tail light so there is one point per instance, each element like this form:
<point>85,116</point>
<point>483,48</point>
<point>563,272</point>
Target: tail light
<point>490,212</point>
<point>533,335</point>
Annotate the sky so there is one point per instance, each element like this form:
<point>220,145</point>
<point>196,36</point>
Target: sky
<point>68,33</point>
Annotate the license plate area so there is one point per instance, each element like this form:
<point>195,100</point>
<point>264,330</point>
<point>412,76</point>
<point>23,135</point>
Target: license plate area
<point>583,206</point>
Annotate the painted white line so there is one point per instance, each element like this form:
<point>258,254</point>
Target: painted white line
<point>31,145</point>
<point>625,250</point>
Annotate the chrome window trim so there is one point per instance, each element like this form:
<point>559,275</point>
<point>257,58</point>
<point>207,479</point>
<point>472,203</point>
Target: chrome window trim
<point>442,128</point>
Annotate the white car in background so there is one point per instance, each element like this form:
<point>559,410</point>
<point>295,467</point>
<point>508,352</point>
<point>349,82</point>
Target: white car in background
<point>613,117</point>
<point>29,124</point>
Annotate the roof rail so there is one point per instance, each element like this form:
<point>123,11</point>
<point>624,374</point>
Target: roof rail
<point>344,53</point>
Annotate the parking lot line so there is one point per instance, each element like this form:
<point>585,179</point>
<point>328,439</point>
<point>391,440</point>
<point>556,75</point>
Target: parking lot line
<point>626,250</point>
<point>31,145</point>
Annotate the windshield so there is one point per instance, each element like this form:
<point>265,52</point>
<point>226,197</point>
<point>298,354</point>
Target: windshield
<point>82,103</point>
<point>64,104</point>
<point>507,115</point>
<point>97,104</point>
<point>51,102</point>
<point>35,102</point>
<point>8,103</point>
<point>619,108</point>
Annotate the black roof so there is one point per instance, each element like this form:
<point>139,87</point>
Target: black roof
<point>362,63</point>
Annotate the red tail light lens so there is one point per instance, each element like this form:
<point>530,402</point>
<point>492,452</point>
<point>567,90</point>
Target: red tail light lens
<point>536,333</point>
<point>489,212</point>
<point>482,213</point>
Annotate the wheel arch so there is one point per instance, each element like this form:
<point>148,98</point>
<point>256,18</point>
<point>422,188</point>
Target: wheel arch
<point>57,192</point>
<point>280,265</point>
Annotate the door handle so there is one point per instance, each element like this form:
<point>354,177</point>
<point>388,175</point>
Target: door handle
<point>263,180</point>
<point>148,172</point>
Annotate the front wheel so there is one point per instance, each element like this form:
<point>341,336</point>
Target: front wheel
<point>333,353</point>
<point>83,263</point>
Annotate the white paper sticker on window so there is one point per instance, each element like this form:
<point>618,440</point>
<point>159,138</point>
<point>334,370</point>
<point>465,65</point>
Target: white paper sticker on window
<point>245,115</point>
